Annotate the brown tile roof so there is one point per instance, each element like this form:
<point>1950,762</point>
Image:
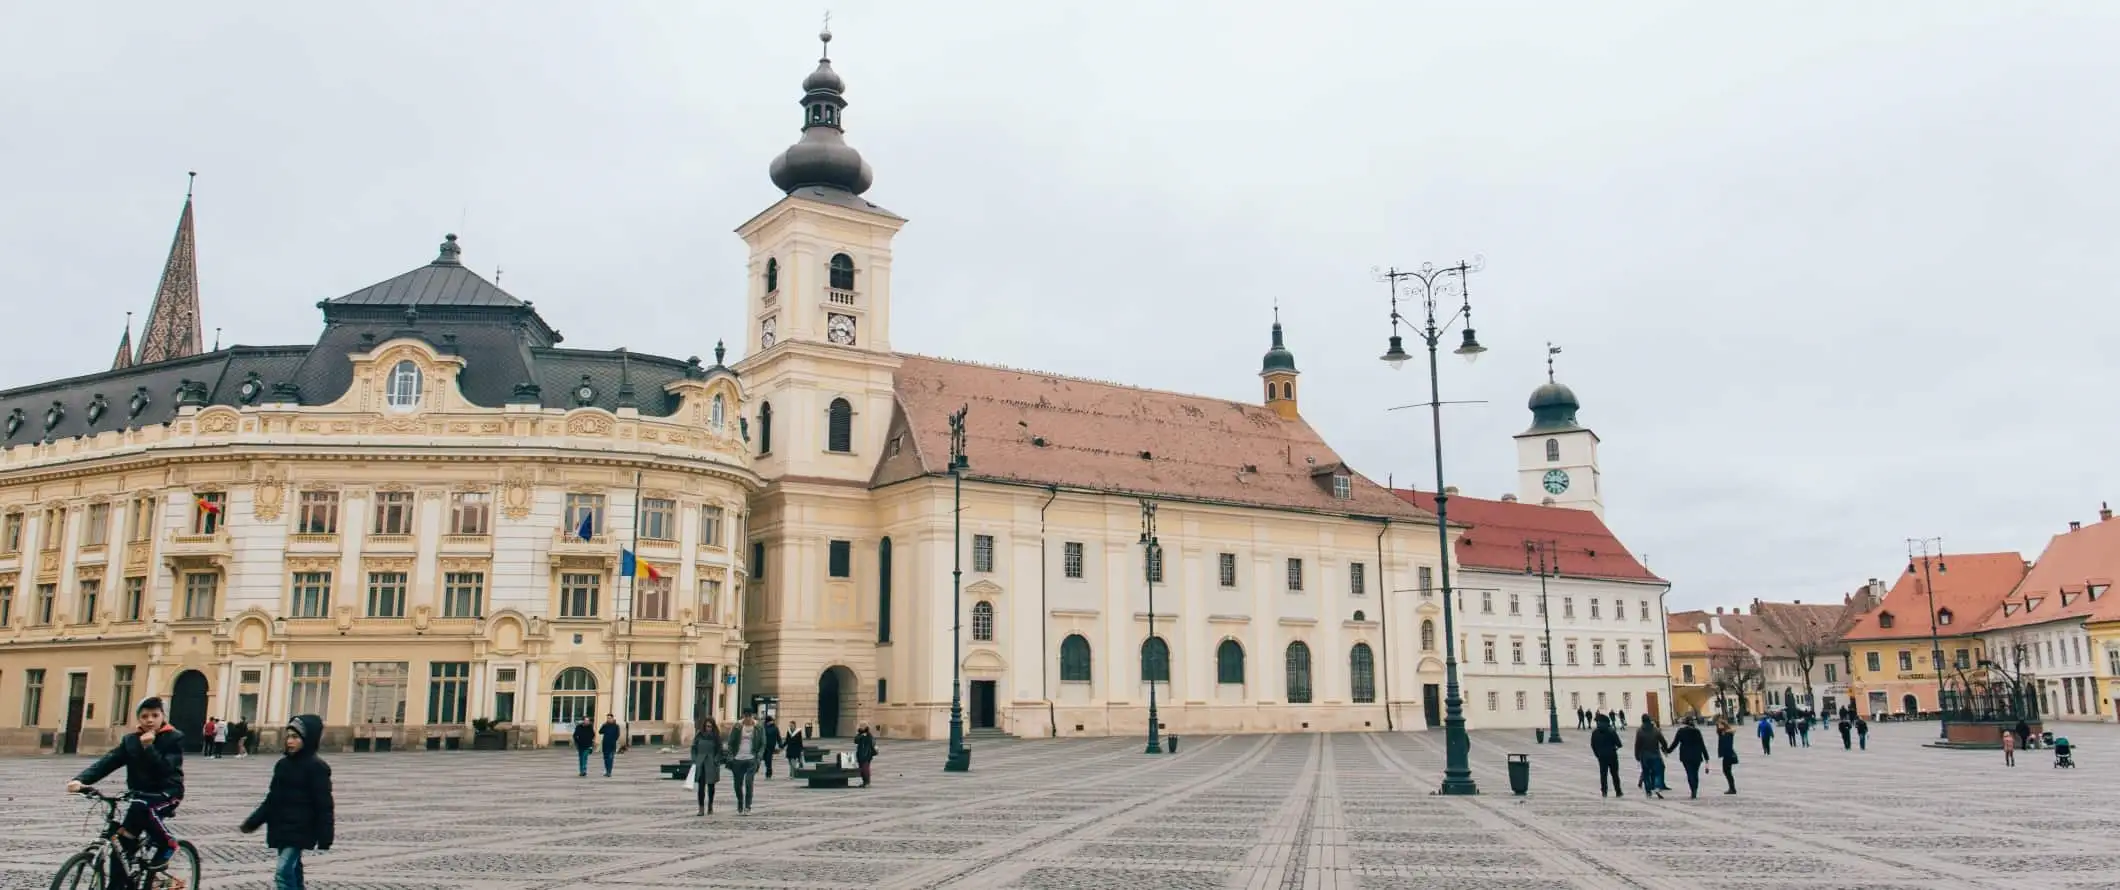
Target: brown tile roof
<point>1500,530</point>
<point>1757,636</point>
<point>1722,643</point>
<point>1685,622</point>
<point>2072,563</point>
<point>1107,437</point>
<point>1975,585</point>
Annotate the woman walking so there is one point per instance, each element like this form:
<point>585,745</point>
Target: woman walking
<point>706,763</point>
<point>864,751</point>
<point>1649,752</point>
<point>1692,752</point>
<point>794,750</point>
<point>1726,750</point>
<point>1605,744</point>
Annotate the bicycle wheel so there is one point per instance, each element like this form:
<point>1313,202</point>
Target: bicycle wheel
<point>79,873</point>
<point>182,867</point>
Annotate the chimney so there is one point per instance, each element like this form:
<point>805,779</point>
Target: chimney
<point>2075,526</point>
<point>2105,512</point>
<point>1508,499</point>
<point>1450,490</point>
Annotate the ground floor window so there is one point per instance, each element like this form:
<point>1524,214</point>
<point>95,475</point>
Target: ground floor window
<point>310,691</point>
<point>379,691</point>
<point>573,696</point>
<point>644,697</point>
<point>448,688</point>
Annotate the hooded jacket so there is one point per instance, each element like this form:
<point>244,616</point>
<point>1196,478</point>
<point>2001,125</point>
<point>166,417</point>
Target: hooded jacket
<point>149,769</point>
<point>297,811</point>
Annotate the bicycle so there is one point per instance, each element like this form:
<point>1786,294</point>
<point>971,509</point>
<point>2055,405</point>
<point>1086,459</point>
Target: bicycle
<point>104,859</point>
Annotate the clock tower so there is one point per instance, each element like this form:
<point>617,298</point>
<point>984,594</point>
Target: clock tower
<point>1556,457</point>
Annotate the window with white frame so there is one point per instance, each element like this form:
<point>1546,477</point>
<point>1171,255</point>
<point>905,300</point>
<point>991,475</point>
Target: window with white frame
<point>404,392</point>
<point>711,519</point>
<point>1520,699</point>
<point>317,513</point>
<point>463,595</point>
<point>1486,602</point>
<point>983,553</point>
<point>393,512</point>
<point>1597,653</point>
<point>1357,578</point>
<point>1593,607</point>
<point>471,513</point>
<point>1227,565</point>
<point>1487,650</point>
<point>1071,559</point>
<point>1516,650</point>
<point>983,622</point>
<point>658,519</point>
<point>1516,604</point>
<point>1427,582</point>
<point>579,593</point>
<point>311,597</point>
<point>581,507</point>
<point>1295,575</point>
<point>1570,652</point>
<point>386,594</point>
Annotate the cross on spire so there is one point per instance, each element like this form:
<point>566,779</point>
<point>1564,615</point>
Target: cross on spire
<point>1551,351</point>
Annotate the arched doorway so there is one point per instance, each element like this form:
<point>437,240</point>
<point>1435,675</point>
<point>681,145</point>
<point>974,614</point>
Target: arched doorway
<point>1910,704</point>
<point>835,701</point>
<point>187,707</point>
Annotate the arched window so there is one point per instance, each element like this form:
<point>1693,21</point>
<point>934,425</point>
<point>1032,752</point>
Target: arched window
<point>1553,449</point>
<point>1288,390</point>
<point>842,272</point>
<point>405,384</point>
<point>1155,660</point>
<point>883,591</point>
<point>983,622</point>
<point>1362,669</point>
<point>1428,635</point>
<point>839,427</point>
<point>765,428</point>
<point>1229,663</point>
<point>573,696</point>
<point>719,414</point>
<point>1298,673</point>
<point>1074,659</point>
<point>1269,390</point>
<point>772,275</point>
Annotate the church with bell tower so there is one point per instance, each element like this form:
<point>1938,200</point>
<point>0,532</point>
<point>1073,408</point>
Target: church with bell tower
<point>1556,457</point>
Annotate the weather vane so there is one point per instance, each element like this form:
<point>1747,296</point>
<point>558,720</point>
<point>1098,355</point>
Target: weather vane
<point>1551,351</point>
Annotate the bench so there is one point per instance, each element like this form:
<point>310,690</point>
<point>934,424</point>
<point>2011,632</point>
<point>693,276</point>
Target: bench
<point>676,770</point>
<point>821,769</point>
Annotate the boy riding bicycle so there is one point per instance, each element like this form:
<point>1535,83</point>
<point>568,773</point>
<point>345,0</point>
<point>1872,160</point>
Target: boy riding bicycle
<point>153,759</point>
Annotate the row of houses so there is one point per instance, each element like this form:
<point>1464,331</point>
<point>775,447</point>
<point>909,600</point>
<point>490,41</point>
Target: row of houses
<point>1947,623</point>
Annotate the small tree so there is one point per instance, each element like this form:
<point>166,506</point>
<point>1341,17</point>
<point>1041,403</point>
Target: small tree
<point>1734,673</point>
<point>1807,641</point>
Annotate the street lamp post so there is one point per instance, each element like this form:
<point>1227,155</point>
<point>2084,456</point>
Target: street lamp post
<point>1428,284</point>
<point>960,759</point>
<point>1151,555</point>
<point>1919,548</point>
<point>1549,564</point>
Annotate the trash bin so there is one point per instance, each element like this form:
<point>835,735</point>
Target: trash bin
<point>1541,736</point>
<point>1172,741</point>
<point>1520,773</point>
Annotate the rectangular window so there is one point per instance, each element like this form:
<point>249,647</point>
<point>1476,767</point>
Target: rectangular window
<point>1597,653</point>
<point>1545,652</point>
<point>1357,578</point>
<point>1619,610</point>
<point>1623,653</point>
<point>7,604</point>
<point>1516,604</point>
<point>393,512</point>
<point>578,594</point>
<point>1685,673</point>
<point>1575,700</point>
<point>1071,559</point>
<point>1644,604</point>
<point>841,559</point>
<point>379,689</point>
<point>1487,650</point>
<point>711,521</point>
<point>1427,585</point>
<point>448,691</point>
<point>1906,660</point>
<point>54,528</point>
<point>882,688</point>
<point>121,694</point>
<point>1520,698</point>
<point>312,595</point>
<point>318,513</point>
<point>11,533</point>
<point>1494,700</point>
<point>1593,607</point>
<point>1516,650</point>
<point>206,511</point>
<point>95,530</point>
<point>644,695</point>
<point>709,599</point>
<point>1486,602</point>
<point>47,602</point>
<point>386,594</point>
<point>1228,567</point>
<point>581,507</point>
<point>33,697</point>
<point>201,589</point>
<point>1295,575</point>
<point>658,519</point>
<point>1870,662</point>
<point>91,591</point>
<point>1152,567</point>
<point>464,595</point>
<point>471,513</point>
<point>651,599</point>
<point>310,690</point>
<point>1626,700</point>
<point>1541,604</point>
<point>142,526</point>
<point>1832,673</point>
<point>982,553</point>
<point>1568,607</point>
<point>1600,701</point>
<point>1570,651</point>
<point>1649,658</point>
<point>1343,487</point>
<point>758,561</point>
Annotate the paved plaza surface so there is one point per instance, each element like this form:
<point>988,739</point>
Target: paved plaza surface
<point>1293,811</point>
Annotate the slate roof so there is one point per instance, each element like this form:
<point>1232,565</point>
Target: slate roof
<point>1107,437</point>
<point>2058,585</point>
<point>1974,587</point>
<point>444,282</point>
<point>1586,547</point>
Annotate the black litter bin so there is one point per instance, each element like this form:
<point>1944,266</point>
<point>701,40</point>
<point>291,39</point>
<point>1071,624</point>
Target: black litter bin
<point>1541,736</point>
<point>1173,742</point>
<point>1520,773</point>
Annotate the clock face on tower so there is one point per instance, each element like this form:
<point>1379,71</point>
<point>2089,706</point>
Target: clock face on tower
<point>1556,481</point>
<point>839,329</point>
<point>768,331</point>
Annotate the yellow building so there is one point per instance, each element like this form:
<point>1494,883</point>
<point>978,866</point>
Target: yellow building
<point>1691,691</point>
<point>1893,669</point>
<point>381,528</point>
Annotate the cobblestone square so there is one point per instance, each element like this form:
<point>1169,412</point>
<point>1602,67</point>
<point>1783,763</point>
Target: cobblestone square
<point>1297,811</point>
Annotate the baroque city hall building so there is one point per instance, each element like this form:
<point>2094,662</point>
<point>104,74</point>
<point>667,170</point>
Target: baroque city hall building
<point>431,515</point>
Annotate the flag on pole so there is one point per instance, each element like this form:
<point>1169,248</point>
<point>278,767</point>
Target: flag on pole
<point>587,530</point>
<point>630,565</point>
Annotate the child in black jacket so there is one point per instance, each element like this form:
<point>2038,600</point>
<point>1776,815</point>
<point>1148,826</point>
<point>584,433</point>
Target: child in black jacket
<point>297,812</point>
<point>154,772</point>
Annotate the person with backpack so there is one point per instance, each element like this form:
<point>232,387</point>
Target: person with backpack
<point>298,811</point>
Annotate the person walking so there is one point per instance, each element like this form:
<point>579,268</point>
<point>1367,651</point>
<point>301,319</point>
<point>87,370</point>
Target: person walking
<point>864,751</point>
<point>1862,733</point>
<point>745,745</point>
<point>1788,726</point>
<point>2009,749</point>
<point>793,748</point>
<point>1766,735</point>
<point>706,763</point>
<point>1847,730</point>
<point>1605,745</point>
<point>772,749</point>
<point>610,733</point>
<point>220,738</point>
<point>584,742</point>
<point>1726,751</point>
<point>1649,752</point>
<point>298,810</point>
<point>208,747</point>
<point>1803,728</point>
<point>2024,734</point>
<point>1692,752</point>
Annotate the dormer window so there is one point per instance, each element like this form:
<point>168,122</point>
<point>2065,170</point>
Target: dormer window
<point>842,272</point>
<point>718,415</point>
<point>1884,621</point>
<point>1943,617</point>
<point>1342,486</point>
<point>2097,590</point>
<point>2009,609</point>
<point>2068,596</point>
<point>2031,603</point>
<point>405,387</point>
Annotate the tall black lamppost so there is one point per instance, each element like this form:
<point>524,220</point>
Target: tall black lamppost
<point>1549,565</point>
<point>1428,284</point>
<point>1151,556</point>
<point>1918,548</point>
<point>960,757</point>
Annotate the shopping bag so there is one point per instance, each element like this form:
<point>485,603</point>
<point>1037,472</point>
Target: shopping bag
<point>692,778</point>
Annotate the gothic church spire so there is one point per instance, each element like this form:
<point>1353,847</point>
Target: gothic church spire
<point>125,348</point>
<point>173,330</point>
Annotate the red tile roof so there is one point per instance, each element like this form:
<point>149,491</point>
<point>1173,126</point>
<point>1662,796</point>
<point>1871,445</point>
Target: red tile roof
<point>2072,563</point>
<point>1685,622</point>
<point>1819,625</point>
<point>1045,429</point>
<point>1501,529</point>
<point>1974,586</point>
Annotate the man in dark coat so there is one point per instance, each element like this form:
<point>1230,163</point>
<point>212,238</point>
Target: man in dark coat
<point>773,743</point>
<point>584,742</point>
<point>1605,743</point>
<point>1847,728</point>
<point>1692,752</point>
<point>298,809</point>
<point>610,732</point>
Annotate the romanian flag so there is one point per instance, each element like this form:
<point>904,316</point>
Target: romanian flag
<point>206,506</point>
<point>630,566</point>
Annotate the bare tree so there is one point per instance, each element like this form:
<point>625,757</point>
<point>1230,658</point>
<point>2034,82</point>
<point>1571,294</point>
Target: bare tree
<point>1733,673</point>
<point>1808,640</point>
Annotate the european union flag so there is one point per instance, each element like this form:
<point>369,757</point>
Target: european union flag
<point>587,530</point>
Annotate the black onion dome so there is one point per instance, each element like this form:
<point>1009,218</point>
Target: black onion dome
<point>824,79</point>
<point>822,158</point>
<point>1553,406</point>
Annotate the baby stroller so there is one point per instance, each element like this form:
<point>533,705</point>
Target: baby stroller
<point>2064,754</point>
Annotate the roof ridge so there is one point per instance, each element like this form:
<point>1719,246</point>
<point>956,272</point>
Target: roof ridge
<point>1090,380</point>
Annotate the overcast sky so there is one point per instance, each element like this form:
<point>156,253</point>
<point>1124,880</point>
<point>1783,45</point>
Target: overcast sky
<point>1827,275</point>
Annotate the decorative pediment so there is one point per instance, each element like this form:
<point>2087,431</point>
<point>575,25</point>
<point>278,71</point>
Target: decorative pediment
<point>576,562</point>
<point>386,564</point>
<point>449,564</point>
<point>218,421</point>
<point>312,564</point>
<point>983,588</point>
<point>590,422</point>
<point>985,661</point>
